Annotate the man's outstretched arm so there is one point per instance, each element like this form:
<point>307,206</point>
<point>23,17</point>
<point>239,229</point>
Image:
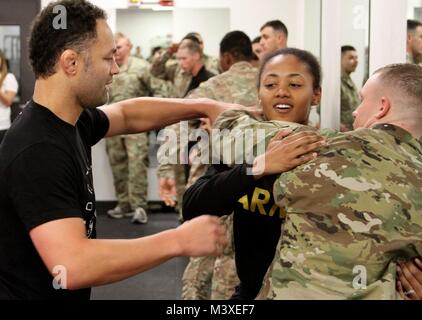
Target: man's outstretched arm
<point>90,262</point>
<point>144,114</point>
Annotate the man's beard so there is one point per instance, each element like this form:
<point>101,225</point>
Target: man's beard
<point>91,103</point>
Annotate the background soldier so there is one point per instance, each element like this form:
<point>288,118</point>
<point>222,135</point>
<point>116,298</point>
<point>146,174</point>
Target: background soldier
<point>349,93</point>
<point>128,154</point>
<point>188,75</point>
<point>274,36</point>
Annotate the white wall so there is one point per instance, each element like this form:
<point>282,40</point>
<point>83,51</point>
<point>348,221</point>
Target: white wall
<point>212,24</point>
<point>250,15</point>
<point>388,33</point>
<point>105,4</point>
<point>144,27</point>
<point>312,27</point>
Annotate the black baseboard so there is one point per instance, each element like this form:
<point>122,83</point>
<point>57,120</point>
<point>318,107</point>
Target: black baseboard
<point>153,206</point>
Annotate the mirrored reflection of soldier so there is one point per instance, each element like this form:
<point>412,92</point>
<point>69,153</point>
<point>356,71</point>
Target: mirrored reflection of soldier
<point>349,93</point>
<point>209,277</point>
<point>414,42</point>
<point>274,36</point>
<point>128,154</point>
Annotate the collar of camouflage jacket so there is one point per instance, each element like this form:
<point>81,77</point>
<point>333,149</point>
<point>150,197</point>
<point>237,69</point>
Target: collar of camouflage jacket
<point>401,135</point>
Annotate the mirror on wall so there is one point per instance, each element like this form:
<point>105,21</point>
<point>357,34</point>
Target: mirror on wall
<point>355,33</point>
<point>10,44</point>
<point>413,43</point>
<point>414,9</point>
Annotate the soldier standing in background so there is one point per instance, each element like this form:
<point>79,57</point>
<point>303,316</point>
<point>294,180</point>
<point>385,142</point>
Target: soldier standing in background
<point>128,154</point>
<point>349,93</point>
<point>274,36</point>
<point>188,75</point>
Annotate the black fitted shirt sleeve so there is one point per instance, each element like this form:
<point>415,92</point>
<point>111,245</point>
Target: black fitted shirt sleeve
<point>93,125</point>
<point>217,191</point>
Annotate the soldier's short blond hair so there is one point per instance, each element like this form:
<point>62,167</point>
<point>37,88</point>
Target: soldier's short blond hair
<point>121,35</point>
<point>404,79</point>
<point>191,46</point>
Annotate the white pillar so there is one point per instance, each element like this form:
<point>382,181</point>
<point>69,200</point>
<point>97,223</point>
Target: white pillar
<point>387,33</point>
<point>330,63</point>
<point>111,19</point>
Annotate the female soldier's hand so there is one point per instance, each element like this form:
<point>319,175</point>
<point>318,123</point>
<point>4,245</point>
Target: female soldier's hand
<point>287,151</point>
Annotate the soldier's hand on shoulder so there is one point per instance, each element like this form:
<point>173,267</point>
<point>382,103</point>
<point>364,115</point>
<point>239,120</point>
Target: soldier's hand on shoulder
<point>286,151</point>
<point>409,279</point>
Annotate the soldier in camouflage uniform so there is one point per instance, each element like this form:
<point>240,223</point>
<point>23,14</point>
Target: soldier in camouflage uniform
<point>410,149</point>
<point>349,93</point>
<point>208,277</point>
<point>128,154</point>
<point>202,206</point>
<point>353,212</point>
<point>367,217</point>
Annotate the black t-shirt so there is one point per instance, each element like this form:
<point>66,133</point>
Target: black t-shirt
<point>202,76</point>
<point>256,221</point>
<point>46,175</point>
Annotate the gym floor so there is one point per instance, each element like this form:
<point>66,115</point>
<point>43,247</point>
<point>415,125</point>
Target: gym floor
<point>160,283</point>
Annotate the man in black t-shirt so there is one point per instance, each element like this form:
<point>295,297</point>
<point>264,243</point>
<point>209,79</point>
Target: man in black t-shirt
<point>47,202</point>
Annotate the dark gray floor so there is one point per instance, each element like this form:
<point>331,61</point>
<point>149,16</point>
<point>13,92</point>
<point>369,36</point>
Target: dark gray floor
<point>160,283</point>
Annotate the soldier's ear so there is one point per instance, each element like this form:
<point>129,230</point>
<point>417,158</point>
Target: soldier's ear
<point>384,108</point>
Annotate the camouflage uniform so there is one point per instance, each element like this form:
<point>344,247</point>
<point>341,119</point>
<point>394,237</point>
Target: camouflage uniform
<point>211,64</point>
<point>411,60</point>
<point>352,213</point>
<point>128,154</point>
<point>237,85</point>
<point>177,80</point>
<point>350,100</point>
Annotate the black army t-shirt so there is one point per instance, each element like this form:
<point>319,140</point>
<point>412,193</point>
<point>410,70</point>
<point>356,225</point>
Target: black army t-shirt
<point>45,175</point>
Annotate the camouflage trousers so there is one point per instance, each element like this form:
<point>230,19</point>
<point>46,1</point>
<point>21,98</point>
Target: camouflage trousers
<point>212,278</point>
<point>128,156</point>
<point>180,177</point>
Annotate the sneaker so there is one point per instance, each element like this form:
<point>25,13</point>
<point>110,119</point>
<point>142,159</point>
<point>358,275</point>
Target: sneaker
<point>117,213</point>
<point>140,216</point>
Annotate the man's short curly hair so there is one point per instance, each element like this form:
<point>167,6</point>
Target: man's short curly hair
<point>47,43</point>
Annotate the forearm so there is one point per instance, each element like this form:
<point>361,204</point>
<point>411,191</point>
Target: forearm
<point>144,114</point>
<point>216,194</point>
<point>99,262</point>
<point>6,98</point>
